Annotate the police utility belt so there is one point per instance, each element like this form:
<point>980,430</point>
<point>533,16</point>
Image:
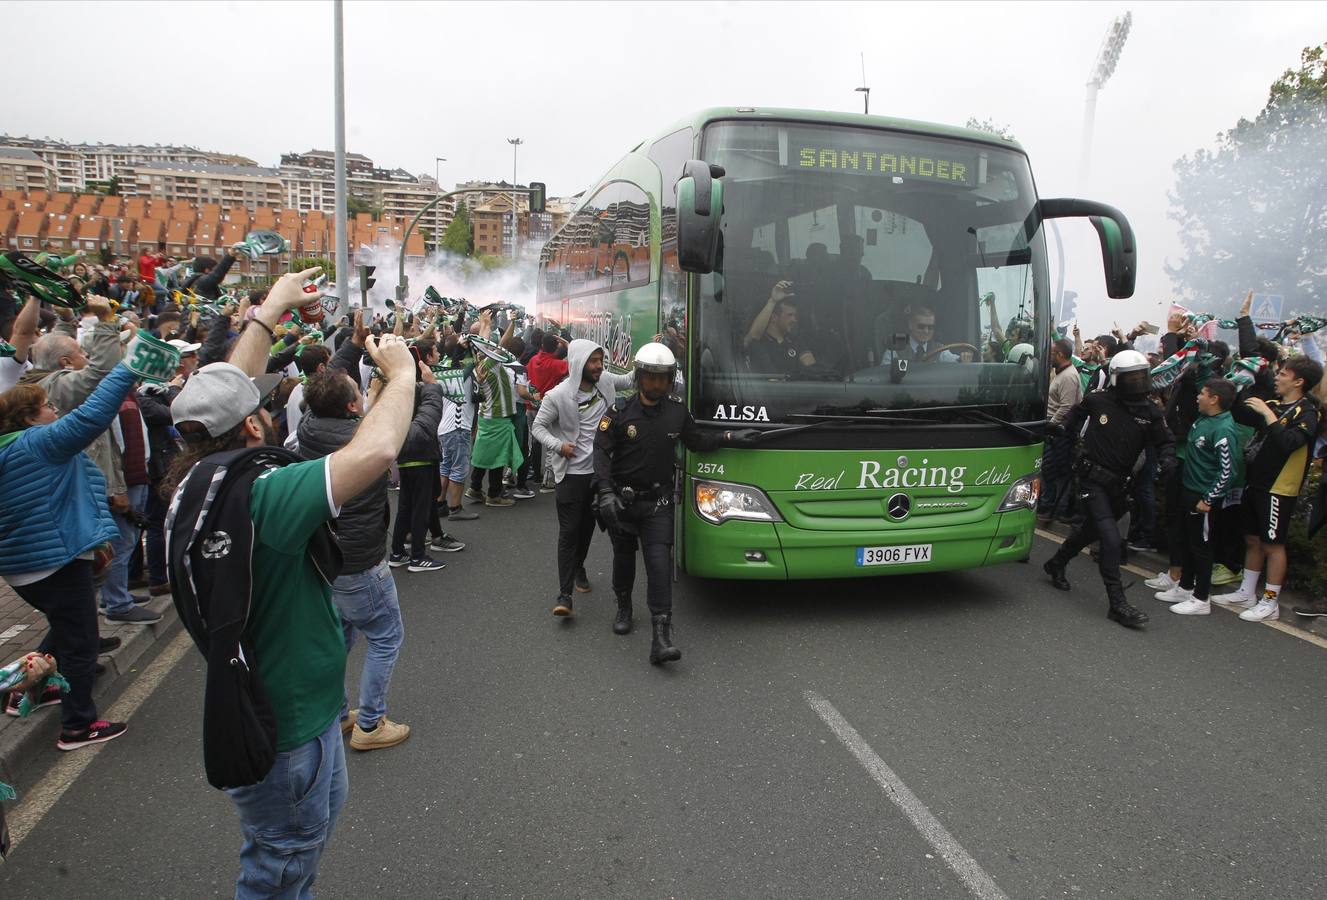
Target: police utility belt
<point>1095,473</point>
<point>657,495</point>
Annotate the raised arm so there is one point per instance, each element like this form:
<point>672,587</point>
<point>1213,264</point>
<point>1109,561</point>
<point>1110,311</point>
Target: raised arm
<point>251,351</point>
<point>24,334</point>
<point>76,429</point>
<point>779,292</point>
<point>379,437</point>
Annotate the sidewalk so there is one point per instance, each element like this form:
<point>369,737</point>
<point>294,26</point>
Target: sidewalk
<point>21,630</point>
<point>1153,563</point>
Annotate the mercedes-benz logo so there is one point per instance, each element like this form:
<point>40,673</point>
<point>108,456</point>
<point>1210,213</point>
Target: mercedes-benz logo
<point>899,506</point>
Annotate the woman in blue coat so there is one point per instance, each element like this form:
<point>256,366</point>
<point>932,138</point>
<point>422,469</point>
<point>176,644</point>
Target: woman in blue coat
<point>52,516</point>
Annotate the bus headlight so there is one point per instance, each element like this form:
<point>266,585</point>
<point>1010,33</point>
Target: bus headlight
<point>1022,494</point>
<point>719,501</point>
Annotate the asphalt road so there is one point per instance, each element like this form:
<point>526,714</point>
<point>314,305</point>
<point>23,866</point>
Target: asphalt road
<point>1060,753</point>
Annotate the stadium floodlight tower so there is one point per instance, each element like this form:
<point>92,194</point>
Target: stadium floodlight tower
<point>1111,46</point>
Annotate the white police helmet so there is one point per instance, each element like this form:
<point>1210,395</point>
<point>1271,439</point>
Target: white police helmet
<point>657,358</point>
<point>1023,355</point>
<point>1129,372</point>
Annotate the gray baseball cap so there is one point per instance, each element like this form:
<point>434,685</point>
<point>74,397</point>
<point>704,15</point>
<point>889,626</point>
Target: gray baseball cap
<point>219,396</point>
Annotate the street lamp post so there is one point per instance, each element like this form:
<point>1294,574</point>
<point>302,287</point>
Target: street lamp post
<point>864,90</point>
<point>339,102</point>
<point>1111,46</point>
<point>515,145</point>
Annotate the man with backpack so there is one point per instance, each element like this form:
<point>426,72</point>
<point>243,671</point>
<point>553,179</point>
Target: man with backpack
<point>251,565</point>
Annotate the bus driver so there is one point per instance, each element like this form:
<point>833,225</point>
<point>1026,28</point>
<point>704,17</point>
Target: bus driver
<point>921,344</point>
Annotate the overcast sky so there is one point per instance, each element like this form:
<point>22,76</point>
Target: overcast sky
<point>583,83</point>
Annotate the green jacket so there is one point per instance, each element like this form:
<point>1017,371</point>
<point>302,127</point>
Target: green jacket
<point>1209,458</point>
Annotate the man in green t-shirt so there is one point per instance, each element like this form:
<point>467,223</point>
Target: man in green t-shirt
<point>293,626</point>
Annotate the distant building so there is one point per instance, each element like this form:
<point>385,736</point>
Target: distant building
<point>80,167</point>
<point>23,170</point>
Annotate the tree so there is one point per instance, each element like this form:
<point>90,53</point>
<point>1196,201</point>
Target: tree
<point>1252,212</point>
<point>988,125</point>
<point>458,239</point>
<point>301,263</point>
<point>356,205</point>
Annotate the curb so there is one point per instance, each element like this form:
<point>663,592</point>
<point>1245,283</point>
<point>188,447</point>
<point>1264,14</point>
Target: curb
<point>22,741</point>
<point>1155,562</point>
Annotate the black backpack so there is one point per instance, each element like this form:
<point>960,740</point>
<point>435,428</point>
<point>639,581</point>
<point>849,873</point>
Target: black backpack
<point>209,550</point>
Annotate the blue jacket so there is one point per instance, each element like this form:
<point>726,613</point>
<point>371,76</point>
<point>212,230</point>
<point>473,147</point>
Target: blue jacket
<point>54,497</point>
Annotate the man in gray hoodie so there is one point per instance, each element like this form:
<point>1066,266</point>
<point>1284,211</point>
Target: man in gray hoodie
<point>565,425</point>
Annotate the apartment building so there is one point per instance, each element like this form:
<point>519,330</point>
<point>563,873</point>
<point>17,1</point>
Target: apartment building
<point>81,167</point>
<point>23,170</point>
<point>248,186</point>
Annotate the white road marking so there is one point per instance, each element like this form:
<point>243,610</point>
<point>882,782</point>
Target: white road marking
<point>1291,630</point>
<point>36,802</point>
<point>968,870</point>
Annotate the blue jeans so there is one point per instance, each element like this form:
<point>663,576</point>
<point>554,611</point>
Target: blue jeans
<point>115,592</point>
<point>368,606</point>
<point>288,818</point>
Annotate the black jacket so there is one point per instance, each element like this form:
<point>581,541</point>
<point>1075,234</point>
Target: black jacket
<point>636,445</point>
<point>1118,431</point>
<point>154,402</point>
<point>362,526</point>
<point>421,442</point>
<point>208,285</point>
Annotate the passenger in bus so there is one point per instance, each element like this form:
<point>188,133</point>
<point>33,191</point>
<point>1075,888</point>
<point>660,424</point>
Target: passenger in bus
<point>921,345</point>
<point>771,343</point>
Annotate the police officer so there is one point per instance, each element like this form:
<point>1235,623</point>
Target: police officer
<point>1121,423</point>
<point>634,451</point>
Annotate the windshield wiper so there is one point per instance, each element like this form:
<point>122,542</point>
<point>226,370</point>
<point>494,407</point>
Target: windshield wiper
<point>980,413</point>
<point>823,421</point>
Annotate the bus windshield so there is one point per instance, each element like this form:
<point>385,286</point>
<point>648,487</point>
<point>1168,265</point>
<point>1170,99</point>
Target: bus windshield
<point>866,269</point>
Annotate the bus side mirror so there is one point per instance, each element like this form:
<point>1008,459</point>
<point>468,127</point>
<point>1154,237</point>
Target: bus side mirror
<point>699,210</point>
<point>1119,253</point>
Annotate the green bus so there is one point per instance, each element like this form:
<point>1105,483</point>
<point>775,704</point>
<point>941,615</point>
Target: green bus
<point>869,293</point>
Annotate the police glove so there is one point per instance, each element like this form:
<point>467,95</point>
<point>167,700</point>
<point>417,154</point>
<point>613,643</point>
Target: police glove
<point>610,510</point>
<point>743,437</point>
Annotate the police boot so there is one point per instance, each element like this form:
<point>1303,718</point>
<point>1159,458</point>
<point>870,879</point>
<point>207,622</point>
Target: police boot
<point>662,649</point>
<point>1123,612</point>
<point>622,624</point>
<point>1054,567</point>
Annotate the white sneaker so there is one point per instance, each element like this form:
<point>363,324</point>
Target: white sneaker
<point>1237,599</point>
<point>1266,610</point>
<point>1192,607</point>
<point>1162,582</point>
<point>1176,594</point>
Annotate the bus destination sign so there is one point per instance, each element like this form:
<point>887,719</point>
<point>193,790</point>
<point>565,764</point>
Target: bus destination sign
<point>889,158</point>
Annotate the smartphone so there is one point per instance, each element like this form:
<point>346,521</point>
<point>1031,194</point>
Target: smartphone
<point>1149,328</point>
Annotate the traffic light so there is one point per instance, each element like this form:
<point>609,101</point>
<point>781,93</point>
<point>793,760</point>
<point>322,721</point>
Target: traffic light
<point>365,283</point>
<point>538,196</point>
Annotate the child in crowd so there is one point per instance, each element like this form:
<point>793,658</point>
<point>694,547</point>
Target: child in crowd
<point>1209,469</point>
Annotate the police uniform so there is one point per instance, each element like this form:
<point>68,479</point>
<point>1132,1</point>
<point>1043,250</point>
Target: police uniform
<point>634,455</point>
<point>1119,428</point>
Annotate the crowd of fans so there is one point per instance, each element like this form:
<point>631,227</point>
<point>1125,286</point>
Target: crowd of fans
<point>91,452</point>
<point>1247,423</point>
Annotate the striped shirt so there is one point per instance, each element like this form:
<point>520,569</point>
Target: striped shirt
<point>497,388</point>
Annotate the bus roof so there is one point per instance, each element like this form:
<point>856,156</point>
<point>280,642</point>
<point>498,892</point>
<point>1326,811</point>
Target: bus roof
<point>698,120</point>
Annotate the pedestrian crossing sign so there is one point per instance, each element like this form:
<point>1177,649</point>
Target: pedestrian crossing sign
<point>1267,307</point>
